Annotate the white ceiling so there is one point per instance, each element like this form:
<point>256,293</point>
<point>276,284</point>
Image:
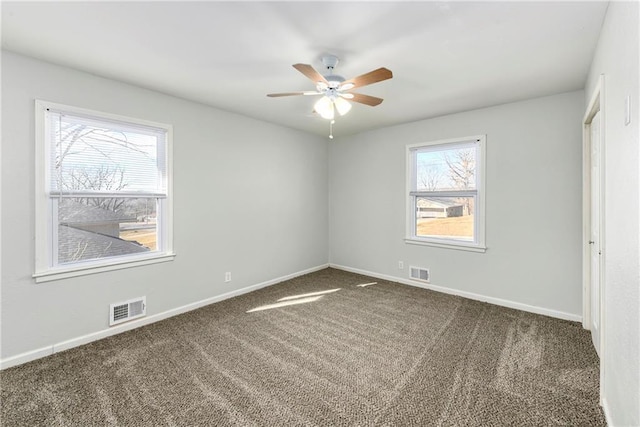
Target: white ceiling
<point>445,56</point>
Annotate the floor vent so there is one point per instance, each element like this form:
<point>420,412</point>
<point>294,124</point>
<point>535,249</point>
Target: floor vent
<point>128,310</point>
<point>418,273</point>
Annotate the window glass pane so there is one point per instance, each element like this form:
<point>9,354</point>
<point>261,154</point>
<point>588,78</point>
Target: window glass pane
<point>104,156</point>
<point>446,169</point>
<point>445,217</point>
<point>102,227</point>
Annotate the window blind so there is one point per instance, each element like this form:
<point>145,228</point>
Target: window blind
<point>104,157</point>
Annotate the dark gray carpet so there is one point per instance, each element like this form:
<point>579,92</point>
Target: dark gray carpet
<point>385,354</point>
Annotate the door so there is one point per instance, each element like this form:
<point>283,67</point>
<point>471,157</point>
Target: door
<point>594,241</point>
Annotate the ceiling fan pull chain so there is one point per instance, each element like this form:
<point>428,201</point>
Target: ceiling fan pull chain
<point>331,129</point>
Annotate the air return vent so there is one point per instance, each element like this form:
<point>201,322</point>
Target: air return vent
<point>127,310</point>
<point>419,273</point>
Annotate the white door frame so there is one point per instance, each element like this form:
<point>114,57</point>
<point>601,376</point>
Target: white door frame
<point>596,103</point>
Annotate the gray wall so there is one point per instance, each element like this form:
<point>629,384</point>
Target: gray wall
<point>250,198</point>
<point>533,203</point>
<point>617,58</point>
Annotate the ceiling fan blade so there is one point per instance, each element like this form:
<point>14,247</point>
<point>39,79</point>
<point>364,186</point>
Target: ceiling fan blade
<point>311,73</point>
<point>366,99</point>
<point>371,77</point>
<point>275,95</point>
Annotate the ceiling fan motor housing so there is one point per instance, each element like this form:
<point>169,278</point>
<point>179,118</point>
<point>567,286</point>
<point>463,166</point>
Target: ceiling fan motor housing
<point>330,62</point>
<point>334,80</point>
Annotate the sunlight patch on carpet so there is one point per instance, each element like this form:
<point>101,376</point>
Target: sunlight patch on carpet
<point>367,284</point>
<point>285,303</point>
<point>311,294</point>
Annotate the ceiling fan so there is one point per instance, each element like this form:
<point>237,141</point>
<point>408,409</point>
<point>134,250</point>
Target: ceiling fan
<point>335,89</point>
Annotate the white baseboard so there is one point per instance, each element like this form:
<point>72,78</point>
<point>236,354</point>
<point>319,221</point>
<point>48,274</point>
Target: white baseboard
<point>465,294</point>
<point>25,357</point>
<point>85,339</point>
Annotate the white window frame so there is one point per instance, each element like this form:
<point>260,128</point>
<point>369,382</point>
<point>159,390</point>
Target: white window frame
<point>478,245</point>
<point>46,222</point>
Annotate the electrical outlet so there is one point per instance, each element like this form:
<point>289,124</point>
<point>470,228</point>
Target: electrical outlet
<point>227,276</point>
<point>400,265</point>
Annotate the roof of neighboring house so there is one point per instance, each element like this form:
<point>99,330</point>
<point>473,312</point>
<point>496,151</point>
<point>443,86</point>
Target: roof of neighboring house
<point>78,245</point>
<point>437,201</point>
<point>72,212</point>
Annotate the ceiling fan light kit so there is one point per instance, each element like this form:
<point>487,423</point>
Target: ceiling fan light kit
<point>334,88</point>
<point>342,105</point>
<point>324,107</point>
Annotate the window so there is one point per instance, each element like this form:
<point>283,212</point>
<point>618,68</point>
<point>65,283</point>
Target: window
<point>445,188</point>
<point>103,192</point>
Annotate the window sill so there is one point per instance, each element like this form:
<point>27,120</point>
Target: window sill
<point>99,267</point>
<point>460,246</point>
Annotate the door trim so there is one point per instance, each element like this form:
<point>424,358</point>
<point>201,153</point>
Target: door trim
<point>596,103</point>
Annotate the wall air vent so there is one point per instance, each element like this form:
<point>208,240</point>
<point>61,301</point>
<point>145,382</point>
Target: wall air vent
<point>127,310</point>
<point>419,273</point>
